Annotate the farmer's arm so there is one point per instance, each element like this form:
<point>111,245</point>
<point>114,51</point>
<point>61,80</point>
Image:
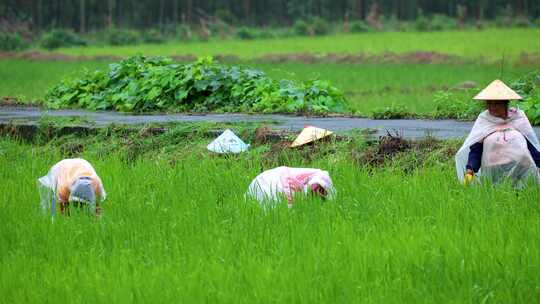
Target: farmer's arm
<point>63,197</point>
<point>63,193</point>
<point>475,157</point>
<point>98,188</point>
<point>534,153</point>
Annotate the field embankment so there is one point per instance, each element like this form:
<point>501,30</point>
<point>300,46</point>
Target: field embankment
<point>490,45</point>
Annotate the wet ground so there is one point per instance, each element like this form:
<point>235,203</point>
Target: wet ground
<point>411,129</point>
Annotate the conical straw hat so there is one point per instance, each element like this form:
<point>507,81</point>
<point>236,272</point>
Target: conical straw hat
<point>310,134</point>
<point>497,90</point>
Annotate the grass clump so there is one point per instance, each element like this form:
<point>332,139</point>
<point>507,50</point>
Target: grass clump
<point>528,87</point>
<point>301,28</point>
<point>119,37</point>
<point>359,26</point>
<point>12,42</point>
<point>153,36</point>
<point>246,33</point>
<point>392,112</point>
<point>457,105</point>
<point>141,84</point>
<point>58,38</point>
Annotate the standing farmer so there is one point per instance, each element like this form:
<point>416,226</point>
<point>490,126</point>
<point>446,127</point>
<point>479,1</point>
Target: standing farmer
<point>284,181</point>
<point>72,181</point>
<point>502,143</point>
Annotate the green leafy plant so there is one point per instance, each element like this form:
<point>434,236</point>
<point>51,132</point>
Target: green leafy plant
<point>421,23</point>
<point>153,36</point>
<point>12,42</point>
<point>183,32</point>
<point>301,28</point>
<point>141,84</point>
<point>246,33</point>
<point>442,23</point>
<point>392,112</point>
<point>267,33</point>
<point>116,36</point>
<point>456,104</point>
<point>359,27</point>
<point>61,38</point>
<point>319,26</point>
<point>529,88</point>
<point>531,106</point>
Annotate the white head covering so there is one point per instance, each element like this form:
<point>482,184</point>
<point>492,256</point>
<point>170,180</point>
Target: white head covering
<point>487,124</point>
<point>83,191</point>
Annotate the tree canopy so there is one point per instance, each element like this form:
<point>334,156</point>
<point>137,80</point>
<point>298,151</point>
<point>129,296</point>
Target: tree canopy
<point>84,15</point>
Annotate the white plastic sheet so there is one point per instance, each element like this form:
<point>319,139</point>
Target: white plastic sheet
<point>282,182</point>
<point>56,185</point>
<point>505,149</point>
<point>228,142</point>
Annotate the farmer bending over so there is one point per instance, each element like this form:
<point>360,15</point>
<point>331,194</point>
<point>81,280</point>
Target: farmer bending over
<point>284,181</point>
<point>502,144</point>
<point>72,181</point>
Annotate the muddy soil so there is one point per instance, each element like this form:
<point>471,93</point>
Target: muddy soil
<point>418,57</point>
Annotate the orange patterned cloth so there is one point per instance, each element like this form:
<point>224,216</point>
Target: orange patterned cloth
<point>63,174</point>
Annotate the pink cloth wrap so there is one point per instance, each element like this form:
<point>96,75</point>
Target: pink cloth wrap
<point>270,184</point>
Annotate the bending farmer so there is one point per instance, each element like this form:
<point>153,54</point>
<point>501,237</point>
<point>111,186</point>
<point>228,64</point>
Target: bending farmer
<point>71,181</point>
<point>502,144</point>
<point>284,181</point>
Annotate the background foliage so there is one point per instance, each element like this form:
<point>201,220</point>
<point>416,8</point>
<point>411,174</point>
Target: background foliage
<point>143,84</point>
<point>94,14</point>
<point>528,87</point>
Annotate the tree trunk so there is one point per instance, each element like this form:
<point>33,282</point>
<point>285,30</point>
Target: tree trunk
<point>37,12</point>
<point>189,11</point>
<point>82,16</point>
<point>360,9</point>
<point>175,11</point>
<point>161,13</point>
<point>247,10</point>
<point>110,13</point>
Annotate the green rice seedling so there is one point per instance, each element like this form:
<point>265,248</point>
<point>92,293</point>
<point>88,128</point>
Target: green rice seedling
<point>184,232</point>
<point>488,44</point>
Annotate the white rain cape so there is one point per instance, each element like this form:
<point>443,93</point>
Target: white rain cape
<point>505,149</point>
<point>271,185</point>
<point>227,142</point>
<point>56,185</point>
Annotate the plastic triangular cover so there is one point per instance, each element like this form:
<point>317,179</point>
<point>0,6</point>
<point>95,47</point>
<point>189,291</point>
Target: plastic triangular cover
<point>227,142</point>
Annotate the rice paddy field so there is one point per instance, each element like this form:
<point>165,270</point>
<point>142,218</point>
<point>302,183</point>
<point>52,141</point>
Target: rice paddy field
<point>368,87</point>
<point>489,44</point>
<point>177,228</point>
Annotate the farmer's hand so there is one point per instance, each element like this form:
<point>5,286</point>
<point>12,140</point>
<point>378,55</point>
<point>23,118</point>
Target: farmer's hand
<point>98,211</point>
<point>469,177</point>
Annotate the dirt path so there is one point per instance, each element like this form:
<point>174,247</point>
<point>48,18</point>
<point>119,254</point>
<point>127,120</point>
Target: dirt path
<point>443,129</point>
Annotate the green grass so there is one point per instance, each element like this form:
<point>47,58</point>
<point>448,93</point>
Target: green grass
<point>367,86</point>
<point>176,228</point>
<point>488,44</point>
